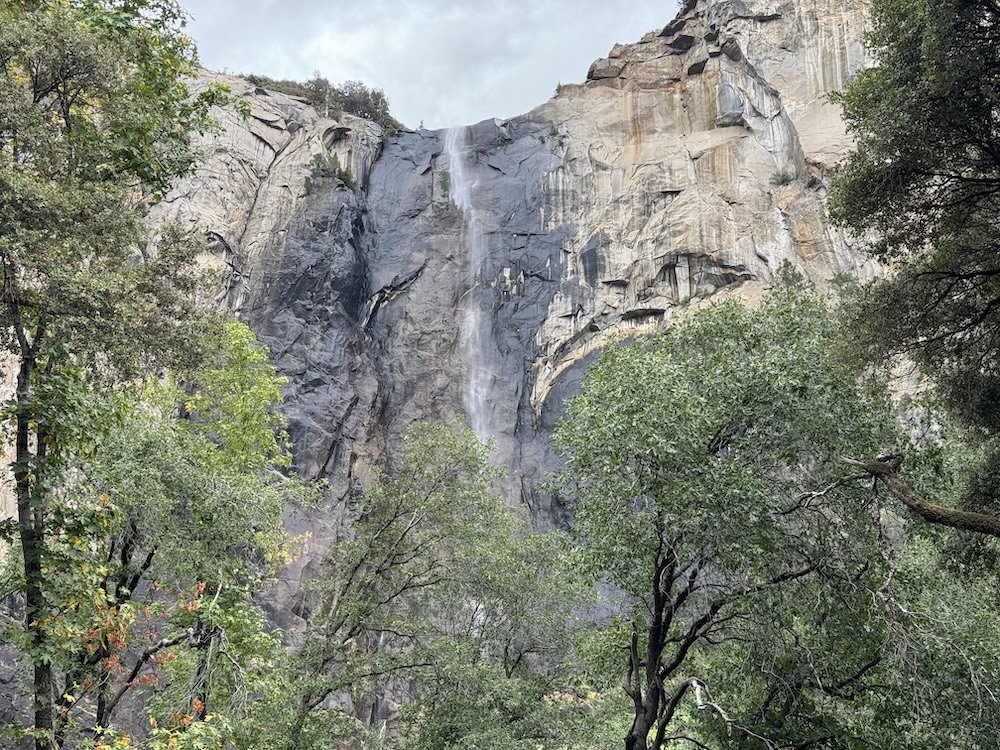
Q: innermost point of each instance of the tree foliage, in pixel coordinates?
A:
(95, 120)
(706, 476)
(923, 185)
(156, 531)
(353, 97)
(94, 89)
(925, 172)
(439, 588)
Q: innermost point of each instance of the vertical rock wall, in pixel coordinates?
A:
(688, 165)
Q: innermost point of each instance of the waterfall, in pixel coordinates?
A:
(475, 324)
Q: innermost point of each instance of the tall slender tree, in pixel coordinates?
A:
(95, 119)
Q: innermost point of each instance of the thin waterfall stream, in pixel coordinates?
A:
(474, 327)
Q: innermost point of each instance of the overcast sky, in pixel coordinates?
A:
(440, 62)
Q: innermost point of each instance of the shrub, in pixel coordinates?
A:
(353, 97)
(327, 166)
(781, 178)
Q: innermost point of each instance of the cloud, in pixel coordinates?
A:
(440, 62)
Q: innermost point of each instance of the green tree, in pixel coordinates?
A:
(438, 583)
(157, 532)
(94, 121)
(501, 669)
(353, 97)
(323, 95)
(706, 477)
(924, 186)
(361, 100)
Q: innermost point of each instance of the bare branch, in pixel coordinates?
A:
(705, 703)
(885, 470)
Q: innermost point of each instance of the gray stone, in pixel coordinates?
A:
(475, 276)
(604, 68)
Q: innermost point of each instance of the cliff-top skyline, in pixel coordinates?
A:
(440, 63)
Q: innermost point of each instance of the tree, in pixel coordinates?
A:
(438, 585)
(353, 97)
(705, 471)
(93, 113)
(358, 99)
(923, 185)
(158, 531)
(501, 669)
(323, 95)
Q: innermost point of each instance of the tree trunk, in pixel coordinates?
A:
(636, 737)
(31, 528)
(886, 468)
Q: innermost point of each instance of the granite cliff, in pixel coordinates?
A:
(474, 271)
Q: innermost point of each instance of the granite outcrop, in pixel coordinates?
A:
(471, 274)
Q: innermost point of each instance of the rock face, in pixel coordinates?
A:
(474, 271)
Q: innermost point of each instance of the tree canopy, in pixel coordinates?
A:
(707, 480)
(924, 185)
(353, 97)
(156, 531)
(440, 585)
(95, 121)
(922, 191)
